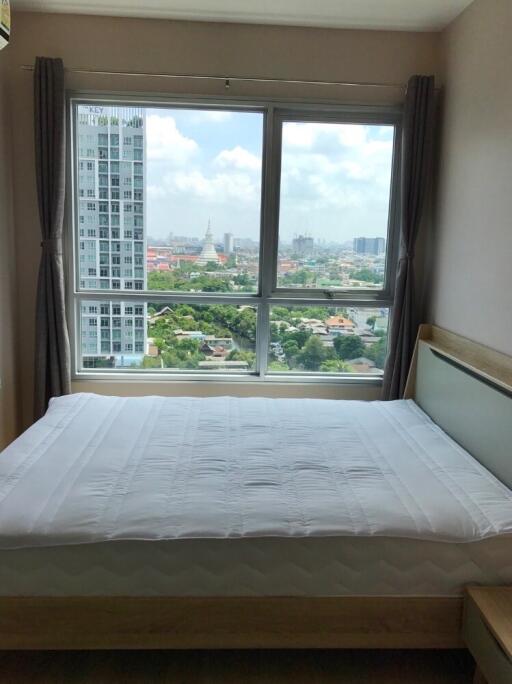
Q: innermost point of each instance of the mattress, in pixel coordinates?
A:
(99, 468)
(229, 496)
(308, 566)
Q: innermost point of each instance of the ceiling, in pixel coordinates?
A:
(403, 15)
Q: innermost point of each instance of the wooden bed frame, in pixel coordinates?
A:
(290, 622)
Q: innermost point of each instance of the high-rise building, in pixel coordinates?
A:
(112, 231)
(303, 245)
(365, 245)
(229, 243)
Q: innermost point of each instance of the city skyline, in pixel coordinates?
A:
(218, 239)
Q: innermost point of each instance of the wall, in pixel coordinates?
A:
(181, 47)
(473, 241)
(8, 364)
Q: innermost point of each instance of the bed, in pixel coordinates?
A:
(158, 522)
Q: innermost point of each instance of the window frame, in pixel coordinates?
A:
(275, 113)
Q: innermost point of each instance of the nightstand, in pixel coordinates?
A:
(487, 631)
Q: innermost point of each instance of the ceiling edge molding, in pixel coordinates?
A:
(89, 9)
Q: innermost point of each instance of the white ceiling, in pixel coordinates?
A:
(404, 15)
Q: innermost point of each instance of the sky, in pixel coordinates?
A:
(206, 165)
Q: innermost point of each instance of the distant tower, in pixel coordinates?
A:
(365, 245)
(229, 243)
(208, 253)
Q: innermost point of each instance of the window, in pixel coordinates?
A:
(218, 263)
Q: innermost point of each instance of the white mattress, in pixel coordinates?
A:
(293, 566)
(99, 469)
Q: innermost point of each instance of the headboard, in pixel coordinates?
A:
(467, 390)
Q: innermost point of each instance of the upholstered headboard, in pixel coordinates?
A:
(467, 390)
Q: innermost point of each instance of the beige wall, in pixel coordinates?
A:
(8, 363)
(473, 252)
(162, 46)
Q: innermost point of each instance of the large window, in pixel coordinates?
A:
(242, 241)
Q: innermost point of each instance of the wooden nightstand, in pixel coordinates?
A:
(487, 631)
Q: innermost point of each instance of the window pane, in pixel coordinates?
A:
(126, 336)
(204, 195)
(179, 188)
(334, 205)
(328, 339)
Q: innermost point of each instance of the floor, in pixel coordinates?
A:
(237, 667)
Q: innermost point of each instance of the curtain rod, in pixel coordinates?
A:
(230, 79)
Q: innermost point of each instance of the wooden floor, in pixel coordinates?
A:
(237, 667)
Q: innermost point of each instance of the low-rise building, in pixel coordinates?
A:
(338, 325)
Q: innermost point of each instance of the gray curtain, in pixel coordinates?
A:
(417, 148)
(52, 357)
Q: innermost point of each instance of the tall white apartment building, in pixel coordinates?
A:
(229, 243)
(111, 159)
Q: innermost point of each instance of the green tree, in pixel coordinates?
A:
(301, 277)
(377, 352)
(312, 354)
(281, 313)
(335, 366)
(151, 362)
(242, 355)
(159, 343)
(290, 348)
(299, 336)
(367, 275)
(242, 280)
(278, 366)
(348, 346)
(213, 266)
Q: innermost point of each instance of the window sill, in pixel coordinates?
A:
(184, 379)
(362, 389)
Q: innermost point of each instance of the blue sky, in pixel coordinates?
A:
(207, 165)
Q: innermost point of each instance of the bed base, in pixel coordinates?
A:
(69, 623)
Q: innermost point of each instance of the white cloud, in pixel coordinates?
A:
(300, 134)
(165, 142)
(352, 135)
(220, 188)
(239, 158)
(156, 192)
(308, 135)
(210, 116)
(334, 174)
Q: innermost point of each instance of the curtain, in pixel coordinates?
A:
(52, 356)
(417, 148)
